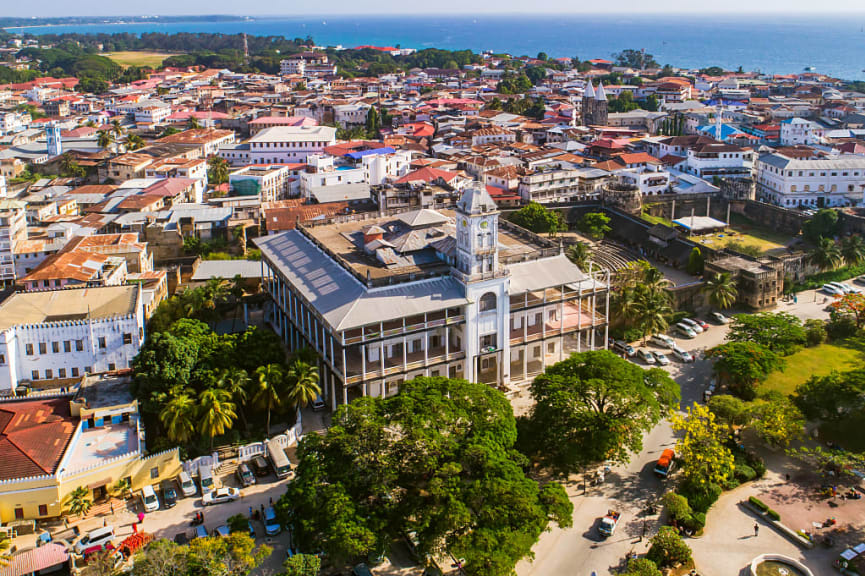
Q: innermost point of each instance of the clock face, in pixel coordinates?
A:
(484, 224)
(465, 222)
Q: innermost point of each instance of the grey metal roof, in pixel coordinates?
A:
(227, 269)
(545, 272)
(340, 192)
(339, 298)
(837, 163)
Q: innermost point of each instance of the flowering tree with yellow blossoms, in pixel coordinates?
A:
(705, 458)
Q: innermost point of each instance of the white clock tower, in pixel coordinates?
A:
(487, 337)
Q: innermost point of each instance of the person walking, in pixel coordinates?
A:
(756, 529)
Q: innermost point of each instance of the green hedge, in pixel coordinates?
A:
(757, 503)
(839, 275)
(773, 515)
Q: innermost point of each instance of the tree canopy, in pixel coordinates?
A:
(780, 332)
(594, 406)
(436, 460)
(742, 365)
(596, 225)
(537, 218)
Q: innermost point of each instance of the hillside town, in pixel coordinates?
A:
(524, 315)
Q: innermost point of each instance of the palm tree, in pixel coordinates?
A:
(579, 255)
(826, 255)
(178, 417)
(217, 412)
(722, 291)
(105, 139)
(268, 388)
(236, 381)
(653, 309)
(134, 142)
(79, 503)
(116, 128)
(853, 250)
(624, 302)
(215, 292)
(192, 123)
(654, 280)
(303, 386)
(237, 289)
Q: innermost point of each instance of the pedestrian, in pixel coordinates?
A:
(270, 500)
(250, 511)
(643, 532)
(756, 529)
(140, 517)
(104, 522)
(262, 510)
(112, 506)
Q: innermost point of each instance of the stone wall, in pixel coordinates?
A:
(770, 216)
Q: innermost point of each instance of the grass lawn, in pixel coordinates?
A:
(150, 59)
(817, 361)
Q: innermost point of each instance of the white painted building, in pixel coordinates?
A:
(350, 115)
(795, 131)
(789, 182)
(154, 115)
(280, 144)
(270, 182)
(13, 230)
(651, 181)
(68, 333)
(718, 159)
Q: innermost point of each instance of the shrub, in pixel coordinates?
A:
(668, 549)
(677, 505)
(815, 332)
(694, 522)
(701, 497)
(840, 326)
(757, 503)
(773, 515)
(632, 334)
(756, 464)
(745, 473)
(642, 567)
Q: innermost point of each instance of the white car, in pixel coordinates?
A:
(685, 331)
(720, 318)
(646, 356)
(662, 340)
(847, 288)
(832, 290)
(661, 358)
(220, 495)
(692, 325)
(682, 355)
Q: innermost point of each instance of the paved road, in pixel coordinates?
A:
(728, 544)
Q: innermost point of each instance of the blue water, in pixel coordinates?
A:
(770, 43)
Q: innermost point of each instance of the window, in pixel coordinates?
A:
(102, 343)
(551, 348)
(49, 374)
(43, 348)
(88, 369)
(79, 345)
(55, 347)
(67, 345)
(488, 302)
(127, 338)
(2, 359)
(75, 372)
(154, 473)
(61, 373)
(19, 513)
(35, 375)
(43, 510)
(112, 367)
(488, 341)
(28, 349)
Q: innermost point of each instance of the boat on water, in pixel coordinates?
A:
(810, 69)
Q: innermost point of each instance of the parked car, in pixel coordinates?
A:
(200, 531)
(661, 358)
(623, 347)
(169, 493)
(662, 340)
(220, 495)
(701, 323)
(682, 355)
(187, 486)
(832, 290)
(244, 474)
(719, 318)
(685, 331)
(220, 531)
(271, 523)
(646, 356)
(693, 325)
(98, 537)
(149, 499)
(846, 288)
(318, 404)
(260, 466)
(860, 280)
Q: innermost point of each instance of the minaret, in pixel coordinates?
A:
(55, 144)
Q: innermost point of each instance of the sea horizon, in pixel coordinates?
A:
(769, 43)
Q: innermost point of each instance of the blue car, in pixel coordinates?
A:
(271, 524)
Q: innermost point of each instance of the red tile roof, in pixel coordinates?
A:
(33, 437)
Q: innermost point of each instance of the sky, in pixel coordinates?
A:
(440, 7)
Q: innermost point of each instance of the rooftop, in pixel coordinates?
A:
(33, 436)
(68, 305)
(95, 445)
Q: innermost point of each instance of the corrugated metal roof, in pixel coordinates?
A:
(545, 272)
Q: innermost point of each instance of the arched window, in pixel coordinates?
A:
(488, 302)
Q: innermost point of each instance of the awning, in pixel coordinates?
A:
(35, 560)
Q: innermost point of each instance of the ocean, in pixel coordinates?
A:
(778, 44)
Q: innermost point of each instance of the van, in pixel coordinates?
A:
(685, 331)
(205, 478)
(271, 524)
(692, 325)
(665, 463)
(187, 486)
(98, 537)
(149, 499)
(622, 347)
(663, 341)
(278, 459)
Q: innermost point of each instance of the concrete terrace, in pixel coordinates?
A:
(97, 445)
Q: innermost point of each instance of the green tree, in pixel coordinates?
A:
(594, 224)
(302, 565)
(217, 170)
(78, 503)
(232, 555)
(591, 407)
(837, 461)
(780, 332)
(642, 567)
(236, 381)
(695, 262)
(853, 250)
(730, 410)
(134, 142)
(437, 460)
(653, 308)
(824, 224)
(216, 412)
(104, 139)
(161, 558)
(579, 254)
(537, 218)
(193, 123)
(743, 365)
(826, 255)
(722, 291)
(301, 384)
(701, 447)
(777, 420)
(832, 397)
(372, 123)
(268, 391)
(178, 417)
(168, 131)
(668, 550)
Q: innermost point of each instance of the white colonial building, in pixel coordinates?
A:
(280, 144)
(790, 182)
(796, 131)
(59, 334)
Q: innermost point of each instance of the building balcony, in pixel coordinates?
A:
(396, 364)
(574, 319)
